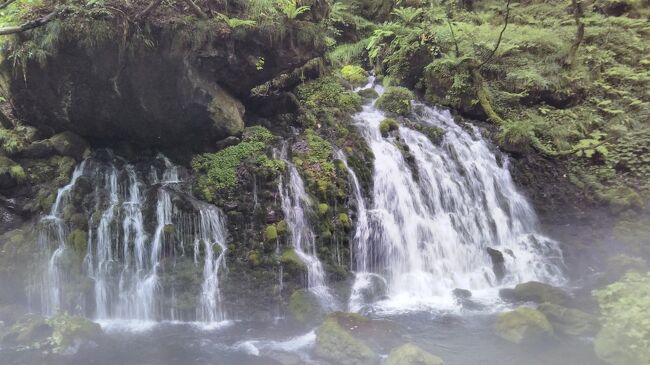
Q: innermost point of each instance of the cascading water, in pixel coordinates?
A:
(428, 233)
(127, 261)
(296, 207)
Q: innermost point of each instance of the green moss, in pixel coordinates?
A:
(271, 233)
(523, 325)
(14, 170)
(388, 125)
(396, 99)
(317, 163)
(304, 306)
(327, 92)
(344, 220)
(369, 93)
(356, 75)
(218, 171)
(69, 329)
(334, 342)
(410, 354)
(290, 260)
(569, 321)
(323, 208)
(79, 240)
(625, 318)
(281, 227)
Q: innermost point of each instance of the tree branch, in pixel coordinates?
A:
(496, 46)
(580, 32)
(6, 3)
(30, 24)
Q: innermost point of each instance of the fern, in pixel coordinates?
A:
(236, 22)
(408, 15)
(291, 9)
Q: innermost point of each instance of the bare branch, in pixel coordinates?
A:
(196, 9)
(30, 24)
(496, 46)
(580, 32)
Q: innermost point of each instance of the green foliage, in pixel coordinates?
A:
(396, 99)
(354, 74)
(625, 317)
(291, 8)
(236, 22)
(218, 171)
(388, 125)
(349, 52)
(408, 15)
(591, 146)
(323, 208)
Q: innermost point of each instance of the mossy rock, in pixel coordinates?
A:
(344, 219)
(291, 261)
(355, 75)
(625, 319)
(69, 144)
(523, 325)
(336, 343)
(304, 306)
(11, 173)
(388, 125)
(271, 233)
(569, 321)
(281, 227)
(69, 331)
(534, 291)
(28, 331)
(396, 99)
(368, 94)
(410, 354)
(79, 240)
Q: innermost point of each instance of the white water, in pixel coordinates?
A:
(296, 206)
(124, 262)
(423, 237)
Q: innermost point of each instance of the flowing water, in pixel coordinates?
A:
(296, 206)
(431, 222)
(124, 255)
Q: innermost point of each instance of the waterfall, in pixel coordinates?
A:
(132, 252)
(428, 232)
(296, 206)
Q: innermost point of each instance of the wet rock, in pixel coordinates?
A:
(464, 299)
(227, 142)
(569, 321)
(28, 331)
(462, 293)
(498, 263)
(410, 354)
(368, 94)
(336, 342)
(65, 144)
(534, 291)
(523, 325)
(304, 306)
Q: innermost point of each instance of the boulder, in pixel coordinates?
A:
(103, 93)
(523, 325)
(65, 144)
(569, 321)
(336, 342)
(396, 100)
(534, 291)
(410, 354)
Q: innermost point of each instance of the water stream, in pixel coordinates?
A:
(431, 222)
(125, 252)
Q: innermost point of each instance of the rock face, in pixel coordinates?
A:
(498, 263)
(534, 291)
(569, 321)
(336, 343)
(523, 325)
(410, 354)
(159, 95)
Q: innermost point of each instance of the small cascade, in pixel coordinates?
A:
(143, 229)
(296, 206)
(428, 232)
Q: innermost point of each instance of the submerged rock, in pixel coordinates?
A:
(569, 321)
(534, 291)
(410, 354)
(336, 342)
(523, 325)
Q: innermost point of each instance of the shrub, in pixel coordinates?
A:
(388, 125)
(356, 75)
